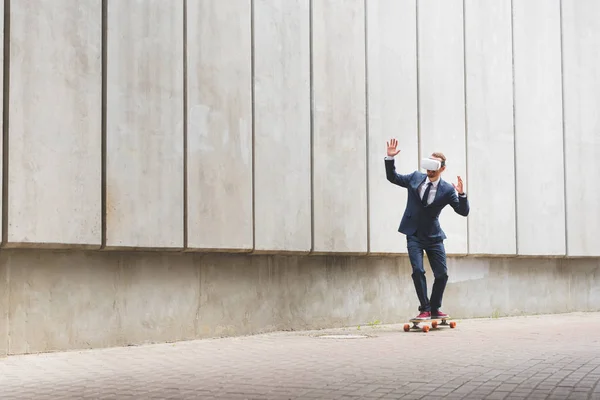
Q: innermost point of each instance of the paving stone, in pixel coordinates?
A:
(504, 358)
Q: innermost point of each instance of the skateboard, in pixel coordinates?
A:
(435, 322)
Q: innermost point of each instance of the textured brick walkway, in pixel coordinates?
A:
(556, 357)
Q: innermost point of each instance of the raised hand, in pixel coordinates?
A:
(459, 187)
(391, 148)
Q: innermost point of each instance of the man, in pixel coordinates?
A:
(428, 194)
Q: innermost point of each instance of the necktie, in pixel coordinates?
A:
(426, 195)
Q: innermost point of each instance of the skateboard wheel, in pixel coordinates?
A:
(425, 328)
(434, 324)
(452, 324)
(406, 327)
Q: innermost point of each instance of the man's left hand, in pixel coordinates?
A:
(459, 186)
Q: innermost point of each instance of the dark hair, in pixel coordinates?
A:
(441, 156)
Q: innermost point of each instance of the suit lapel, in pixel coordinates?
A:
(419, 183)
(437, 192)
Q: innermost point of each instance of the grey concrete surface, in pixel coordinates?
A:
(282, 125)
(442, 101)
(490, 139)
(64, 300)
(54, 150)
(542, 357)
(392, 86)
(339, 127)
(4, 296)
(2, 94)
(581, 39)
(144, 123)
(219, 90)
(53, 160)
(538, 108)
(71, 301)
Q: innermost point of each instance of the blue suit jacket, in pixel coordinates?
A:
(417, 218)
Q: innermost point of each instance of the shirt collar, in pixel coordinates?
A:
(435, 183)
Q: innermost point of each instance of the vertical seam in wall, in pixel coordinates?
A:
(564, 149)
(366, 35)
(418, 66)
(464, 23)
(5, 109)
(252, 73)
(103, 151)
(5, 121)
(185, 129)
(512, 45)
(312, 128)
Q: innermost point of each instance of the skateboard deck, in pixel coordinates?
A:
(435, 323)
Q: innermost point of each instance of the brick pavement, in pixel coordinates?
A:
(554, 357)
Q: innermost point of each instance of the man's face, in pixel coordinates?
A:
(433, 175)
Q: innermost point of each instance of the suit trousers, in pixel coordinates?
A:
(436, 253)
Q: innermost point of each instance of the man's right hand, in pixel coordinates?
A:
(391, 148)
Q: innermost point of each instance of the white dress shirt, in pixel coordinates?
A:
(432, 191)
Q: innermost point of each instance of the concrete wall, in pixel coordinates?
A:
(144, 124)
(392, 111)
(581, 86)
(339, 127)
(490, 126)
(74, 299)
(282, 126)
(54, 113)
(259, 126)
(539, 128)
(219, 136)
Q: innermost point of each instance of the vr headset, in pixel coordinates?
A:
(431, 164)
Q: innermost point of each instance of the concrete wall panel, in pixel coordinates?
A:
(581, 58)
(490, 139)
(2, 172)
(4, 303)
(538, 128)
(74, 300)
(502, 286)
(87, 300)
(282, 125)
(151, 312)
(442, 101)
(61, 300)
(144, 188)
(392, 104)
(54, 182)
(219, 90)
(339, 130)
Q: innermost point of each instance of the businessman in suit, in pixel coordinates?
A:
(428, 194)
